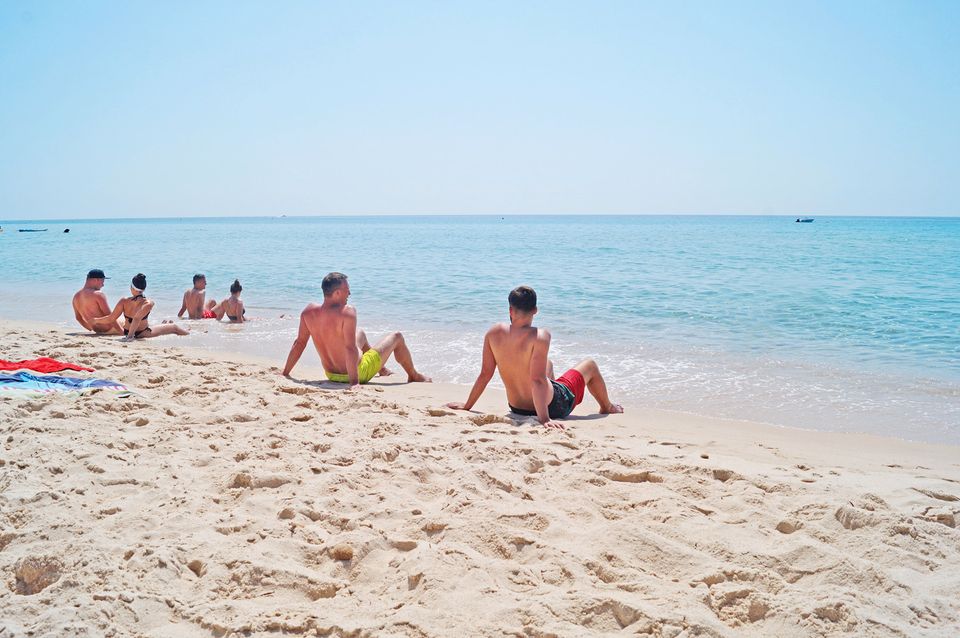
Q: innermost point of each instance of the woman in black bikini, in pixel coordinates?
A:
(135, 309)
(232, 307)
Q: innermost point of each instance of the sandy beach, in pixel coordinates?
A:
(222, 499)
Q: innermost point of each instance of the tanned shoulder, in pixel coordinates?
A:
(543, 336)
(497, 327)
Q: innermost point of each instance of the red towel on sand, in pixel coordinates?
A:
(43, 364)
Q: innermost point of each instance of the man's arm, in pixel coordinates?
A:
(183, 306)
(103, 308)
(76, 311)
(102, 304)
(538, 379)
(487, 367)
(350, 343)
(111, 316)
(296, 350)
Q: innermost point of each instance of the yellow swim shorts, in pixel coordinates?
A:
(368, 368)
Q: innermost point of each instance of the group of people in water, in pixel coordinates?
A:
(518, 349)
(93, 312)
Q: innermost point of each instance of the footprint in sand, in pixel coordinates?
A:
(788, 526)
(725, 475)
(243, 480)
(33, 574)
(940, 496)
(630, 476)
(198, 567)
(487, 419)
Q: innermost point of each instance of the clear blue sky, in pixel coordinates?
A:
(240, 108)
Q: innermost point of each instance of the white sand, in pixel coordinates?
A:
(225, 500)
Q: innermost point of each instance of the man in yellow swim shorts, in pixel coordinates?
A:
(345, 353)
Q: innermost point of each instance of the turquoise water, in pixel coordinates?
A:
(846, 324)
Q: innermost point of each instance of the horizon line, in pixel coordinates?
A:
(16, 220)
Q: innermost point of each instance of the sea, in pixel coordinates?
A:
(845, 324)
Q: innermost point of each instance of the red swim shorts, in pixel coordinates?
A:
(575, 381)
(209, 314)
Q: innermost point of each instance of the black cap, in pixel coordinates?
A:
(96, 273)
(140, 281)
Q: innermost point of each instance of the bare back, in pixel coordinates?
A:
(193, 302)
(231, 308)
(88, 305)
(328, 326)
(514, 349)
(130, 308)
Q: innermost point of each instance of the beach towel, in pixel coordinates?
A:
(26, 383)
(43, 364)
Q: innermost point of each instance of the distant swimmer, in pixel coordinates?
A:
(194, 300)
(344, 351)
(90, 305)
(232, 307)
(520, 351)
(135, 309)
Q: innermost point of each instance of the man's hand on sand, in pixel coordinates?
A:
(554, 425)
(457, 406)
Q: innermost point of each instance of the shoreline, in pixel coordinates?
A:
(672, 373)
(688, 421)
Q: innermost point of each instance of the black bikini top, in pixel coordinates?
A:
(128, 317)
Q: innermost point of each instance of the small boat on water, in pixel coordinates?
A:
(804, 220)
(32, 230)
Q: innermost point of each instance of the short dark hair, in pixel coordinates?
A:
(197, 277)
(523, 298)
(235, 287)
(331, 282)
(140, 281)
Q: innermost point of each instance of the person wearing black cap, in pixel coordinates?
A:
(90, 304)
(135, 309)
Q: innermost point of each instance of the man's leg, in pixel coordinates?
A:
(394, 344)
(364, 345)
(550, 374)
(591, 375)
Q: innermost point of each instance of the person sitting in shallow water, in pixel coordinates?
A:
(135, 309)
(232, 307)
(194, 300)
